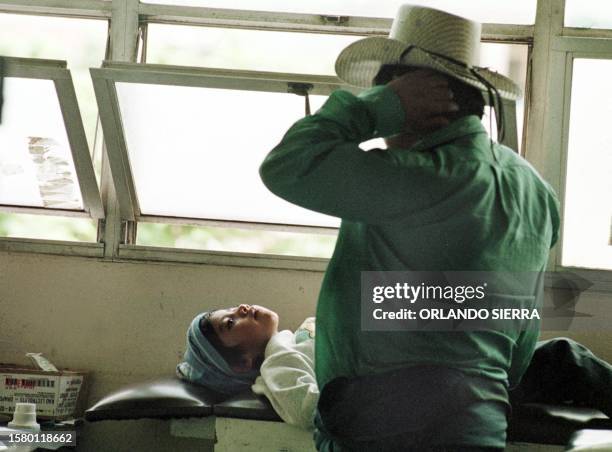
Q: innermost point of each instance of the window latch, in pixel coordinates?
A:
(335, 19)
(301, 89)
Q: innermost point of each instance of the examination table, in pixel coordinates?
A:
(248, 422)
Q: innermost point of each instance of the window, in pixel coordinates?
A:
(510, 60)
(193, 150)
(44, 158)
(181, 142)
(189, 145)
(176, 192)
(82, 43)
(588, 189)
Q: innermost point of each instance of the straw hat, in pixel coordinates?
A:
(429, 38)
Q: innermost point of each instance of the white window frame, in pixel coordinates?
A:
(84, 9)
(56, 72)
(105, 79)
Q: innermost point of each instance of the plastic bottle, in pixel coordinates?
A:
(24, 421)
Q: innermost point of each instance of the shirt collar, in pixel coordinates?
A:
(468, 125)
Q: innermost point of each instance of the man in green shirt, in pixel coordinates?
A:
(441, 197)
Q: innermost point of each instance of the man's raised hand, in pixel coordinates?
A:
(426, 99)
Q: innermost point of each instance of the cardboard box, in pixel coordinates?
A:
(57, 395)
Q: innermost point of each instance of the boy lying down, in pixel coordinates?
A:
(234, 349)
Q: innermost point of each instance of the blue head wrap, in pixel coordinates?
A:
(204, 365)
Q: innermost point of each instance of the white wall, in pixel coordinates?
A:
(126, 322)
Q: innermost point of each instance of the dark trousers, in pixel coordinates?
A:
(426, 408)
(413, 409)
(405, 442)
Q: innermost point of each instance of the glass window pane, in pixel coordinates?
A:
(195, 152)
(226, 48)
(511, 61)
(588, 191)
(236, 240)
(36, 167)
(500, 11)
(80, 42)
(47, 227)
(590, 14)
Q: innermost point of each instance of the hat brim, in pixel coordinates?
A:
(359, 63)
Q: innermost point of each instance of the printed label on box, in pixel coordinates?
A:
(55, 396)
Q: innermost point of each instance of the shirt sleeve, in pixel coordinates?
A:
(319, 165)
(288, 380)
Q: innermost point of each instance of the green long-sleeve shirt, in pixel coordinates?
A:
(451, 202)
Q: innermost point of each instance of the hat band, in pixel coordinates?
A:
(431, 52)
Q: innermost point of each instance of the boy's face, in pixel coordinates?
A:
(249, 327)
